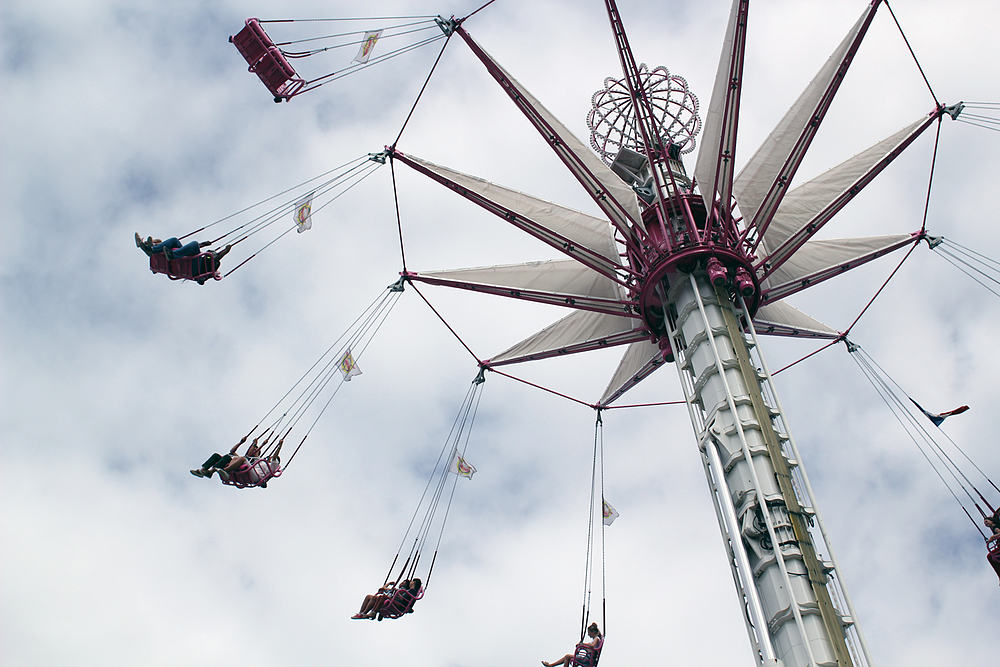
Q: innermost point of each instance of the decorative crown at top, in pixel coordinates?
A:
(612, 119)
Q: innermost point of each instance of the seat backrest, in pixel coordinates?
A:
(253, 473)
(267, 61)
(400, 603)
(200, 267)
(252, 42)
(586, 655)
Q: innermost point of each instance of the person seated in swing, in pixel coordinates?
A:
(402, 601)
(227, 464)
(586, 653)
(219, 461)
(373, 602)
(172, 247)
(204, 264)
(993, 523)
(253, 469)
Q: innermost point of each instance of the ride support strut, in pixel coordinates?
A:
(792, 618)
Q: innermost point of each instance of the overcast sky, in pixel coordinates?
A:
(138, 116)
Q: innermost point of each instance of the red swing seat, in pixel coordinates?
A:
(586, 655)
(199, 268)
(267, 61)
(993, 557)
(255, 473)
(400, 603)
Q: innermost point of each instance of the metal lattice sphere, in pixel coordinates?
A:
(612, 118)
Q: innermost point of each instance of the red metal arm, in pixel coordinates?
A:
(614, 209)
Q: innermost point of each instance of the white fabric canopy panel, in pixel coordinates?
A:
(805, 203)
(780, 319)
(589, 169)
(822, 259)
(556, 276)
(717, 124)
(638, 362)
(579, 331)
(792, 135)
(583, 230)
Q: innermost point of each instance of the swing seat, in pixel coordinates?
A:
(251, 474)
(400, 603)
(993, 557)
(267, 61)
(586, 655)
(199, 268)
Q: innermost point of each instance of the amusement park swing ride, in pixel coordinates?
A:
(688, 265)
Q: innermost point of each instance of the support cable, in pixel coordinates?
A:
(352, 18)
(455, 444)
(898, 407)
(356, 162)
(604, 576)
(882, 374)
(357, 67)
(429, 21)
(359, 334)
(399, 220)
(447, 39)
(445, 322)
(843, 336)
(478, 10)
(930, 180)
(538, 386)
(589, 561)
(969, 262)
(968, 270)
(872, 300)
(917, 62)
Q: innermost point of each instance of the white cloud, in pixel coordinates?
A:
(123, 117)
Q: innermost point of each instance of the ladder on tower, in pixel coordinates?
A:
(780, 524)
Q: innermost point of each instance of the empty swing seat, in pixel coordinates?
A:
(586, 655)
(199, 268)
(267, 61)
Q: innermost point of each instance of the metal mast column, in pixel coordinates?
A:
(771, 549)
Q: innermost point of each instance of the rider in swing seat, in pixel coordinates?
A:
(993, 523)
(585, 654)
(200, 267)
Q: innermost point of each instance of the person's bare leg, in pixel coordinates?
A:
(376, 604)
(565, 660)
(235, 464)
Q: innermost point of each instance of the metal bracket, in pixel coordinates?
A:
(447, 25)
(954, 110)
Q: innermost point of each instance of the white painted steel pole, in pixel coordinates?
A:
(809, 492)
(768, 557)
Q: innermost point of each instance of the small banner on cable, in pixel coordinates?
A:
(610, 514)
(936, 419)
(461, 467)
(348, 366)
(303, 213)
(365, 52)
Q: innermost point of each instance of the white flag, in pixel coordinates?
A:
(610, 514)
(371, 36)
(348, 366)
(303, 213)
(461, 467)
